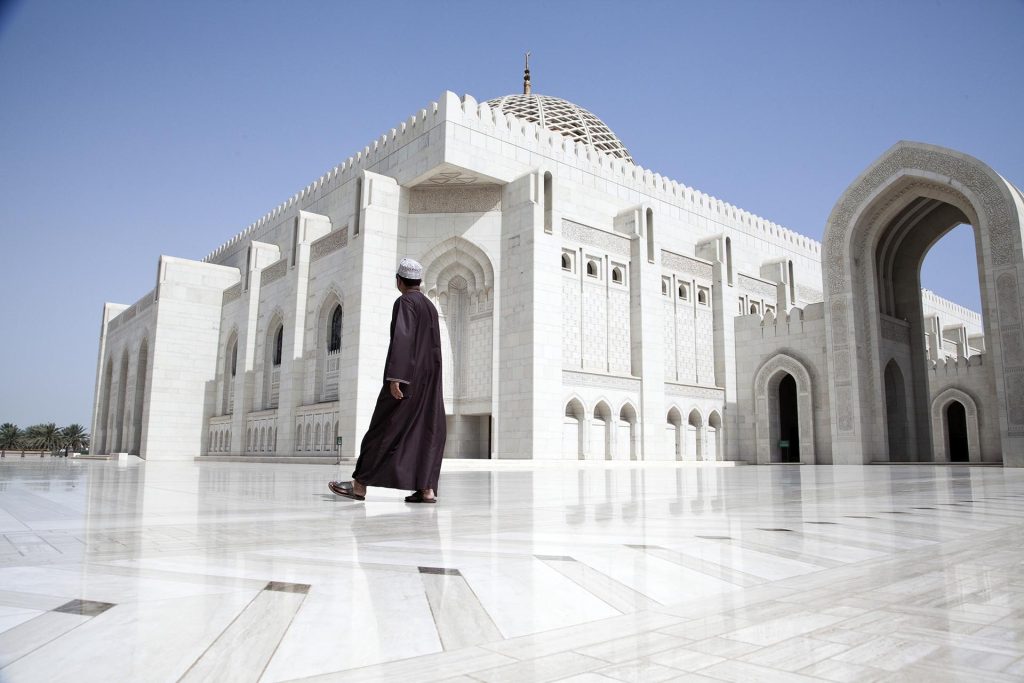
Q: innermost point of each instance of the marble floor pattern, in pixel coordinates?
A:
(655, 572)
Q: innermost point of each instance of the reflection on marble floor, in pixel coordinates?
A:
(254, 572)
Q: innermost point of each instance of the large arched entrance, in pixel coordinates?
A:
(876, 239)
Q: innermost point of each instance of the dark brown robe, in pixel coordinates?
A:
(403, 446)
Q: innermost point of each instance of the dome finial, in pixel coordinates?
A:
(526, 76)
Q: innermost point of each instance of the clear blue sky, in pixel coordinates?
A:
(132, 129)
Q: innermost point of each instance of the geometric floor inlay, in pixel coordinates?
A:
(185, 571)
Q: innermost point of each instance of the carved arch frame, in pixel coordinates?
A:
(853, 333)
(766, 406)
(939, 427)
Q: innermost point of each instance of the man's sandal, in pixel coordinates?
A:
(344, 489)
(418, 498)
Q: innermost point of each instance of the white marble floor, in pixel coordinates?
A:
(255, 572)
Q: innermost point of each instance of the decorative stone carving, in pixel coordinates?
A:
(685, 264)
(613, 244)
(840, 324)
(895, 330)
(464, 199)
(1008, 300)
(574, 378)
(765, 290)
(1015, 399)
(692, 391)
(231, 294)
(331, 242)
(275, 271)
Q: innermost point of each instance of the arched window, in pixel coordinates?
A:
(792, 286)
(702, 297)
(650, 235)
(753, 309)
(547, 202)
(664, 286)
(234, 359)
(728, 259)
(684, 292)
(278, 343)
(316, 440)
(617, 275)
(566, 262)
(335, 342)
(591, 268)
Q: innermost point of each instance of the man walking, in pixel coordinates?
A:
(403, 446)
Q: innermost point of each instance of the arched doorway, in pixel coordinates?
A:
(784, 411)
(122, 399)
(956, 432)
(896, 413)
(140, 396)
(789, 420)
(103, 423)
(875, 242)
(694, 449)
(674, 433)
(625, 437)
(600, 432)
(572, 431)
(714, 434)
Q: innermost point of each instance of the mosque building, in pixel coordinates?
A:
(590, 309)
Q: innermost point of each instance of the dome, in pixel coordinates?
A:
(563, 117)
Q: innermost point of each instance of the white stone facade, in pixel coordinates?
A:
(589, 309)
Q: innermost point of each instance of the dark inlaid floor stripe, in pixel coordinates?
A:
(440, 570)
(86, 608)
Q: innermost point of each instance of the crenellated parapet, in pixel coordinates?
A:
(952, 366)
(469, 113)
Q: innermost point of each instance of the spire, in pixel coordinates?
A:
(526, 76)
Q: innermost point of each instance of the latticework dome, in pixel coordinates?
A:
(563, 117)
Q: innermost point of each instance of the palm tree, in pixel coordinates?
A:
(44, 436)
(74, 438)
(10, 437)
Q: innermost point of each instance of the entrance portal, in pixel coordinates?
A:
(789, 421)
(956, 432)
(877, 237)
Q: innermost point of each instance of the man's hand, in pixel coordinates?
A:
(396, 390)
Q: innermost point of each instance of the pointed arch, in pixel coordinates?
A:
(329, 343)
(122, 399)
(766, 407)
(876, 237)
(140, 403)
(626, 432)
(694, 449)
(600, 432)
(273, 359)
(674, 432)
(940, 424)
(457, 249)
(103, 424)
(229, 371)
(714, 436)
(573, 429)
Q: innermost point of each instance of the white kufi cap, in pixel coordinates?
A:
(410, 270)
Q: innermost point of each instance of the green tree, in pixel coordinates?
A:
(74, 438)
(11, 437)
(46, 436)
